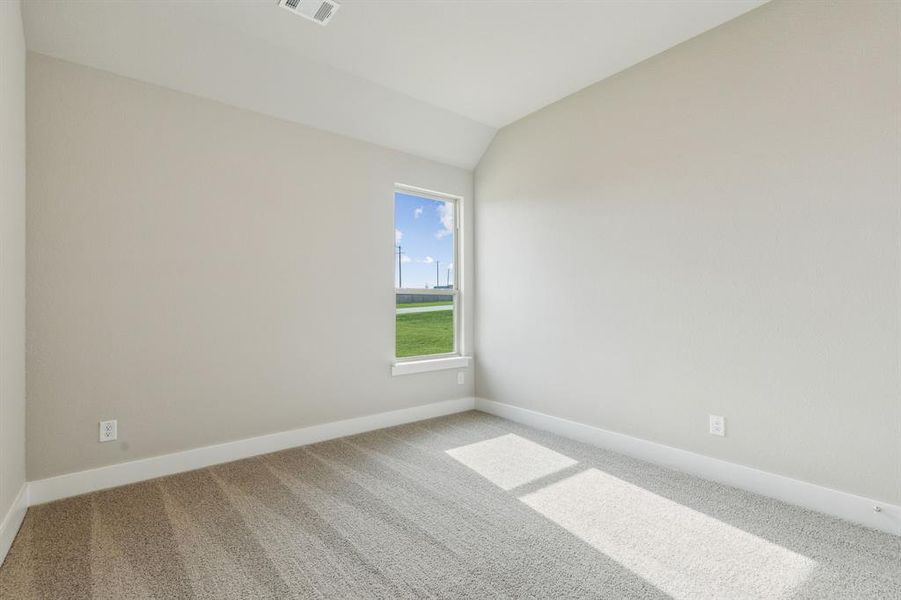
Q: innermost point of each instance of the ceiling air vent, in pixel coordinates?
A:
(319, 11)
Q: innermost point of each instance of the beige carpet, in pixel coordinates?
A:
(467, 506)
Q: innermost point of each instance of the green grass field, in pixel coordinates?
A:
(415, 304)
(419, 334)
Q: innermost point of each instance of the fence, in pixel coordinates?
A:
(413, 298)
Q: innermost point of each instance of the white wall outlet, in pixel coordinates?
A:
(717, 425)
(108, 431)
(461, 377)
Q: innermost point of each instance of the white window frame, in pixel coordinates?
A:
(448, 360)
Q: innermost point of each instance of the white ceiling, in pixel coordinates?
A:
(434, 78)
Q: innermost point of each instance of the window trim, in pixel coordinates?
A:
(447, 360)
(440, 362)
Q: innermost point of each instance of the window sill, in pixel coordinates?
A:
(430, 364)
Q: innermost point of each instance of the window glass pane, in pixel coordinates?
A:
(423, 242)
(424, 253)
(424, 325)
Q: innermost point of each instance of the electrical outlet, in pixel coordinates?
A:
(717, 425)
(461, 377)
(108, 431)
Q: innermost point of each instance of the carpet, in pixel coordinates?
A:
(464, 506)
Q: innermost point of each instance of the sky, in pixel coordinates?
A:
(424, 229)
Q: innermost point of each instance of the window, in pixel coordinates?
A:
(427, 296)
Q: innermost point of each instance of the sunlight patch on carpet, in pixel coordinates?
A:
(510, 461)
(684, 553)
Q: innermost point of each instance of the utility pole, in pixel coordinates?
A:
(437, 274)
(448, 277)
(400, 272)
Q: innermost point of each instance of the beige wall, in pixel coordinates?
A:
(203, 273)
(715, 230)
(12, 254)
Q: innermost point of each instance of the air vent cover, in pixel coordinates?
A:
(318, 11)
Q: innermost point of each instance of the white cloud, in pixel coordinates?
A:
(446, 214)
(450, 266)
(417, 212)
(405, 259)
(427, 260)
(398, 235)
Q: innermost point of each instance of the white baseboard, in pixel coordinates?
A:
(12, 521)
(793, 491)
(808, 495)
(82, 482)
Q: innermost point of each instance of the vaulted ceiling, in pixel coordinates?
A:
(435, 78)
